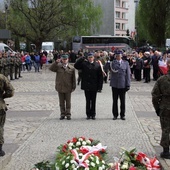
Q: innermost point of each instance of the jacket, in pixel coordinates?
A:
(65, 81)
(161, 93)
(92, 76)
(6, 90)
(120, 74)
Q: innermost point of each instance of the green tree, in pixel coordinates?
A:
(153, 18)
(42, 20)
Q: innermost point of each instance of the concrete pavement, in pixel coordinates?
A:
(33, 129)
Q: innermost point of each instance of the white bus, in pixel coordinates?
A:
(102, 42)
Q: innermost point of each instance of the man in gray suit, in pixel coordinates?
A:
(120, 83)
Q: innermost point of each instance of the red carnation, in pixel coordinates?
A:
(74, 140)
(132, 168)
(91, 139)
(83, 138)
(84, 151)
(68, 141)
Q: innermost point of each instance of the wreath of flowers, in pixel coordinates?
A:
(80, 153)
(132, 160)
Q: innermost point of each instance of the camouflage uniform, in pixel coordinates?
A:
(1, 65)
(6, 90)
(6, 65)
(17, 64)
(161, 103)
(20, 64)
(12, 67)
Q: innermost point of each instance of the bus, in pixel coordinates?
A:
(102, 42)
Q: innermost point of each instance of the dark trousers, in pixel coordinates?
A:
(65, 103)
(165, 126)
(155, 73)
(90, 103)
(147, 74)
(118, 93)
(11, 72)
(138, 74)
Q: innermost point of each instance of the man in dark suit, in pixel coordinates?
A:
(120, 83)
(92, 80)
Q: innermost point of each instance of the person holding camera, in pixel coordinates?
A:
(120, 83)
(65, 84)
(161, 102)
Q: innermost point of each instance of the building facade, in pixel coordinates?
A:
(107, 26)
(118, 17)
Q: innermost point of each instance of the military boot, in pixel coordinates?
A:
(165, 154)
(2, 153)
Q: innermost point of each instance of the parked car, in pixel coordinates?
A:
(5, 48)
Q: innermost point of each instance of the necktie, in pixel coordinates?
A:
(64, 66)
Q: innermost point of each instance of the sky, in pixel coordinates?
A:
(1, 4)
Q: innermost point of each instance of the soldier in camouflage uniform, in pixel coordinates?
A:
(6, 64)
(6, 90)
(161, 103)
(1, 64)
(12, 66)
(17, 64)
(20, 64)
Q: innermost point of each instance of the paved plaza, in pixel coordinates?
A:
(33, 129)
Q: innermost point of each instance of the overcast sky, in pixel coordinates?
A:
(1, 4)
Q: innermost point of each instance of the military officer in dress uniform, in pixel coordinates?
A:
(92, 80)
(120, 83)
(6, 90)
(65, 84)
(161, 103)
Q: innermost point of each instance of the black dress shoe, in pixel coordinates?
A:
(62, 117)
(165, 155)
(68, 117)
(123, 118)
(88, 117)
(93, 118)
(114, 118)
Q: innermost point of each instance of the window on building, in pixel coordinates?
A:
(117, 14)
(124, 4)
(123, 26)
(118, 26)
(117, 3)
(123, 15)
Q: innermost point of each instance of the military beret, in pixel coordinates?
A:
(64, 57)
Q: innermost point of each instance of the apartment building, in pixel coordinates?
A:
(124, 17)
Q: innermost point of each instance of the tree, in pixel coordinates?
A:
(42, 20)
(153, 17)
